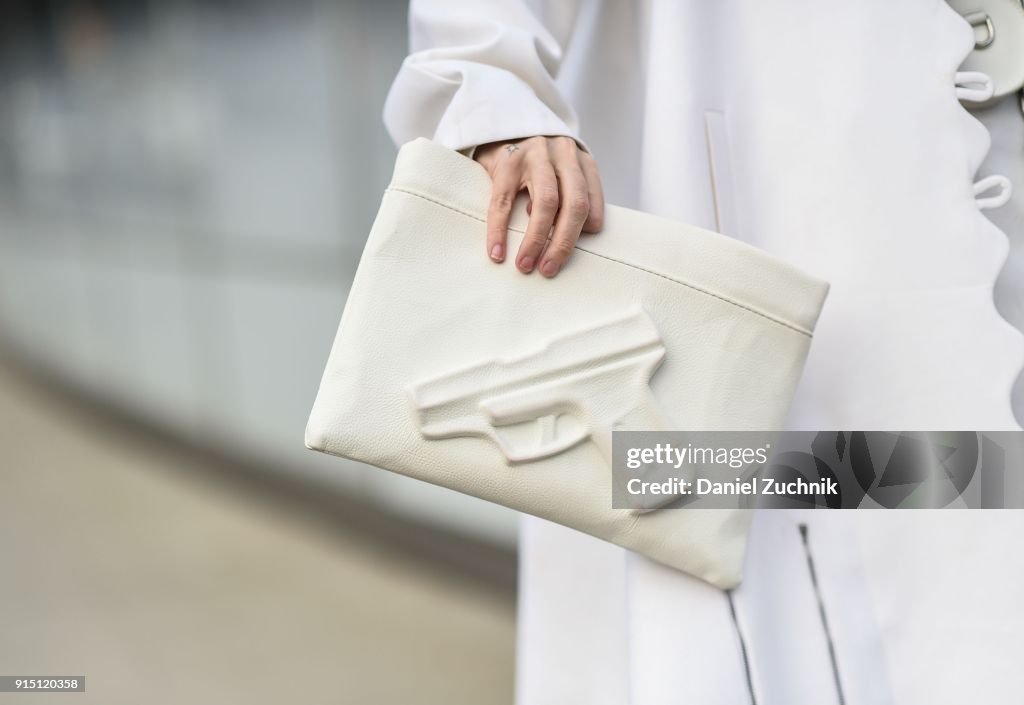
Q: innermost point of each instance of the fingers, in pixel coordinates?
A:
(543, 188)
(566, 198)
(573, 207)
(505, 186)
(595, 218)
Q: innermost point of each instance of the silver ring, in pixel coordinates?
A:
(511, 148)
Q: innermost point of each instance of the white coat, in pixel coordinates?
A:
(828, 133)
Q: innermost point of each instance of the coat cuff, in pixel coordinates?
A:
(486, 105)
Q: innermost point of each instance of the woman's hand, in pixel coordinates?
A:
(565, 198)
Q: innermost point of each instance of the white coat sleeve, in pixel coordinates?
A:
(479, 71)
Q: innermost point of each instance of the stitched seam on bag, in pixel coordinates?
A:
(725, 299)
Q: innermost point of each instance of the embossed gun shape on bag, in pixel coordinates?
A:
(579, 385)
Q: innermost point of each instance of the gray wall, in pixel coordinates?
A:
(185, 189)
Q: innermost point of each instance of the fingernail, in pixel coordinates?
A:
(550, 268)
(526, 264)
(497, 252)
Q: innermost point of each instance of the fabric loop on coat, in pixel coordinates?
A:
(974, 86)
(988, 184)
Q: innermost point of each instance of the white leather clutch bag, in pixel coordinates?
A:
(464, 373)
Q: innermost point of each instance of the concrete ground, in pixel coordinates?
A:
(119, 563)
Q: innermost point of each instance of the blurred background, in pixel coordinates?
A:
(185, 189)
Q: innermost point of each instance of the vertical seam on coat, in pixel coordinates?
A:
(821, 614)
(743, 648)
